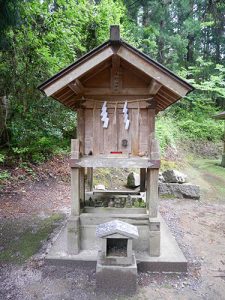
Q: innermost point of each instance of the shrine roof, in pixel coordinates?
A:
(91, 77)
(117, 227)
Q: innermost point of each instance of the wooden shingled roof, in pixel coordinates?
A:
(116, 71)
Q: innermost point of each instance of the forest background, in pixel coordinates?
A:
(40, 37)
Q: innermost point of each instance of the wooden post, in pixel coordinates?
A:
(152, 199)
(152, 192)
(90, 178)
(75, 180)
(152, 181)
(142, 179)
(73, 225)
(82, 187)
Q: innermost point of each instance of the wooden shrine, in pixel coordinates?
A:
(116, 91)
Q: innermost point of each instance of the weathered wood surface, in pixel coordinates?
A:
(152, 192)
(75, 179)
(90, 178)
(99, 140)
(78, 71)
(142, 179)
(114, 162)
(151, 70)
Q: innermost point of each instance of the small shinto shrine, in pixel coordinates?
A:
(116, 268)
(116, 91)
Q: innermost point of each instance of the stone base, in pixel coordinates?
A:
(177, 190)
(116, 279)
(171, 258)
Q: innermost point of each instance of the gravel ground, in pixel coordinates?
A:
(197, 226)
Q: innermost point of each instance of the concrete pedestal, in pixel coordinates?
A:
(118, 279)
(171, 258)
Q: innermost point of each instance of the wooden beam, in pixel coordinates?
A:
(154, 87)
(75, 179)
(115, 33)
(116, 80)
(142, 179)
(77, 87)
(153, 71)
(118, 97)
(78, 71)
(96, 71)
(124, 91)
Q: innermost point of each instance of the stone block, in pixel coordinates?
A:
(133, 180)
(73, 235)
(121, 280)
(174, 176)
(176, 190)
(154, 243)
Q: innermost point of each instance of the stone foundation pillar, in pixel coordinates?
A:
(73, 235)
(154, 237)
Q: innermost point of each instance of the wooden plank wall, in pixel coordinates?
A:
(98, 140)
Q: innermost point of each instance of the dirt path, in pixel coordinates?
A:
(197, 225)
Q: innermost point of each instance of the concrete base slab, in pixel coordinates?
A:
(170, 260)
(117, 279)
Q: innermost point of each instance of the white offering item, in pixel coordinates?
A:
(127, 124)
(106, 123)
(104, 116)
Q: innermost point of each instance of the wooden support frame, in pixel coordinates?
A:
(142, 179)
(75, 179)
(152, 192)
(154, 87)
(77, 87)
(78, 71)
(90, 179)
(161, 76)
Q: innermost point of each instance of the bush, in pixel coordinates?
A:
(166, 132)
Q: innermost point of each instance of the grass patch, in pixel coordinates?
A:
(212, 172)
(167, 196)
(211, 166)
(29, 240)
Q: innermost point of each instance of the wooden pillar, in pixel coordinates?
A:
(152, 199)
(82, 187)
(75, 180)
(73, 224)
(90, 178)
(152, 180)
(142, 179)
(152, 192)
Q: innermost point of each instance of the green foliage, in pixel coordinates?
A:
(49, 36)
(167, 132)
(4, 175)
(2, 158)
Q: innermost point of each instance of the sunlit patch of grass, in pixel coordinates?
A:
(212, 172)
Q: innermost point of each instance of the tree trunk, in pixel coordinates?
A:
(3, 118)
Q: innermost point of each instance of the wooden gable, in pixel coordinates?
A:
(115, 71)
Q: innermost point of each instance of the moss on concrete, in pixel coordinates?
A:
(28, 241)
